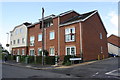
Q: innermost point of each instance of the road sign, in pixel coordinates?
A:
(73, 59)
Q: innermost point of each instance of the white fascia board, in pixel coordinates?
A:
(78, 20)
(70, 23)
(89, 16)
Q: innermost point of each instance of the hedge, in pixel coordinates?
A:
(50, 60)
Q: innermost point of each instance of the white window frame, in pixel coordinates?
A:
(52, 37)
(70, 49)
(67, 34)
(22, 51)
(40, 39)
(18, 52)
(100, 35)
(30, 53)
(39, 49)
(18, 41)
(53, 51)
(23, 40)
(32, 41)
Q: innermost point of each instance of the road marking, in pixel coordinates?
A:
(112, 72)
(95, 74)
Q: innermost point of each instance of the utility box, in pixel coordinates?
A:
(18, 59)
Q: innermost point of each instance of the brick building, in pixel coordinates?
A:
(70, 33)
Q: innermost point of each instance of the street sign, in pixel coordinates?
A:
(73, 59)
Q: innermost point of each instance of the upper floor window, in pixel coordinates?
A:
(70, 50)
(23, 40)
(32, 39)
(69, 34)
(13, 41)
(52, 52)
(40, 37)
(52, 35)
(21, 30)
(101, 49)
(100, 35)
(16, 32)
(18, 41)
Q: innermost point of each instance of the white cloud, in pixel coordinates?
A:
(113, 18)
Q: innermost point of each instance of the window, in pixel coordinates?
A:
(39, 52)
(70, 50)
(52, 35)
(32, 41)
(14, 41)
(18, 52)
(11, 42)
(18, 41)
(40, 37)
(101, 49)
(100, 35)
(23, 52)
(32, 52)
(16, 32)
(23, 40)
(69, 34)
(21, 30)
(52, 52)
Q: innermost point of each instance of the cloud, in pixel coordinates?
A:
(113, 18)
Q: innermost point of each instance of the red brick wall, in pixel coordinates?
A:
(34, 31)
(92, 43)
(76, 43)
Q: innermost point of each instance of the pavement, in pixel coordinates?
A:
(42, 67)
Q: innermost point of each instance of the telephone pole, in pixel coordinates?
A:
(42, 36)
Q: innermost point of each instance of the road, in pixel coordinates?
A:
(107, 68)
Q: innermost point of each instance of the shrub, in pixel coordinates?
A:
(50, 60)
(67, 60)
(22, 58)
(30, 59)
(39, 59)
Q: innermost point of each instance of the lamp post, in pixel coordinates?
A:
(7, 45)
(42, 36)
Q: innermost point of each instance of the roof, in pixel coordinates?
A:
(81, 17)
(25, 23)
(115, 40)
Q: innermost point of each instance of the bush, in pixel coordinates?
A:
(30, 59)
(22, 59)
(50, 60)
(39, 59)
(67, 60)
(67, 63)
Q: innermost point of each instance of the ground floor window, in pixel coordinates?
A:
(23, 52)
(39, 52)
(52, 52)
(71, 50)
(18, 52)
(32, 52)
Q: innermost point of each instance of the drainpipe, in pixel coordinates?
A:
(81, 53)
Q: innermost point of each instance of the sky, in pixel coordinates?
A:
(16, 13)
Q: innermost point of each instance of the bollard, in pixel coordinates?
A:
(98, 57)
(103, 56)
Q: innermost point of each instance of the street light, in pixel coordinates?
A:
(42, 36)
